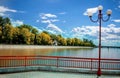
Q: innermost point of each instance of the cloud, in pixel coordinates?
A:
(50, 19)
(111, 25)
(21, 11)
(48, 15)
(92, 10)
(109, 33)
(54, 20)
(46, 21)
(62, 13)
(47, 18)
(116, 20)
(2, 14)
(54, 28)
(86, 30)
(5, 9)
(17, 23)
(119, 6)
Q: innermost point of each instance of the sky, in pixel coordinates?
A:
(66, 17)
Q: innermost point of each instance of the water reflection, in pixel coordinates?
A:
(75, 52)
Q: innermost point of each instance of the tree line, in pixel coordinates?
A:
(26, 34)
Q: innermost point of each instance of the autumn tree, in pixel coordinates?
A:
(3, 22)
(16, 35)
(45, 39)
(27, 34)
(8, 35)
(69, 41)
(0, 34)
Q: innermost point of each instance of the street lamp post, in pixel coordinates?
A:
(100, 19)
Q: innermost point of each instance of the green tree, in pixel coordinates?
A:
(29, 27)
(6, 21)
(63, 41)
(58, 38)
(16, 35)
(69, 41)
(0, 34)
(38, 39)
(26, 35)
(73, 42)
(1, 21)
(31, 34)
(34, 31)
(25, 26)
(46, 32)
(53, 36)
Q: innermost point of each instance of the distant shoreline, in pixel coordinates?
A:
(4, 46)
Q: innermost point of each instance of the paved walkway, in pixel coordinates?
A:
(42, 74)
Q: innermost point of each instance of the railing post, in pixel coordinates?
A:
(25, 61)
(57, 62)
(91, 64)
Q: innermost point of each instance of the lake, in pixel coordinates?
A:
(56, 51)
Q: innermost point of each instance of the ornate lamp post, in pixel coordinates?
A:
(100, 19)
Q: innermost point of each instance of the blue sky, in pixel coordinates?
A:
(66, 17)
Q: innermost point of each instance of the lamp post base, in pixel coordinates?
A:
(99, 72)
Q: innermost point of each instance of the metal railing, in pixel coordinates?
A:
(59, 61)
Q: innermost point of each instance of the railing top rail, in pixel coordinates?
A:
(66, 57)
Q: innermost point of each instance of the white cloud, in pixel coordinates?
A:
(5, 9)
(119, 6)
(2, 14)
(48, 15)
(111, 32)
(48, 18)
(111, 25)
(46, 21)
(54, 20)
(116, 20)
(62, 13)
(92, 10)
(54, 28)
(43, 17)
(17, 23)
(86, 30)
(49, 21)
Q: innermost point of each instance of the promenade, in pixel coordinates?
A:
(44, 74)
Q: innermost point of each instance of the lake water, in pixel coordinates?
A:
(74, 52)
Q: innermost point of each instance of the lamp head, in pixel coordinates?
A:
(100, 7)
(90, 14)
(109, 12)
